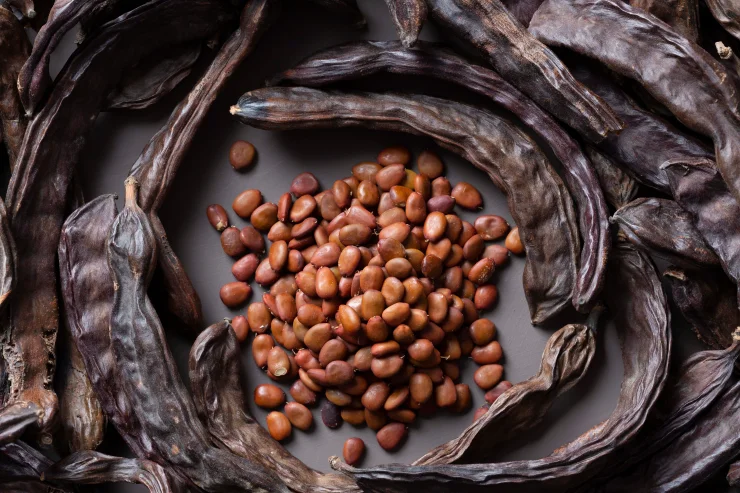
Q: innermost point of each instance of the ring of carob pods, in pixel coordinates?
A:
(663, 432)
(375, 288)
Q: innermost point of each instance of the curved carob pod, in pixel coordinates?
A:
(664, 229)
(543, 213)
(700, 189)
(565, 360)
(362, 58)
(618, 186)
(643, 323)
(699, 383)
(18, 417)
(170, 432)
(727, 13)
(89, 467)
(707, 300)
(665, 63)
(681, 15)
(348, 8)
(19, 461)
(522, 10)
(409, 16)
(39, 186)
(526, 63)
(160, 159)
(215, 369)
(154, 78)
(14, 50)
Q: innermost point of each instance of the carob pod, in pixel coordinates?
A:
(348, 8)
(707, 301)
(90, 467)
(695, 387)
(522, 10)
(14, 50)
(409, 16)
(681, 15)
(727, 13)
(358, 59)
(215, 369)
(20, 461)
(663, 62)
(543, 212)
(618, 186)
(25, 7)
(700, 189)
(526, 63)
(39, 186)
(170, 432)
(159, 161)
(643, 322)
(664, 229)
(153, 78)
(18, 417)
(8, 262)
(565, 360)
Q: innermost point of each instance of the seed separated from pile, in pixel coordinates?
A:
(374, 290)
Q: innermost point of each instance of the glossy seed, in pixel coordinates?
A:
(269, 396)
(300, 393)
(304, 184)
(391, 435)
(235, 294)
(278, 425)
(331, 415)
(488, 375)
(440, 203)
(217, 217)
(353, 450)
(375, 396)
(246, 203)
(482, 271)
(485, 296)
(264, 217)
(394, 155)
(231, 242)
(467, 196)
(390, 176)
(241, 155)
(430, 165)
(298, 415)
(491, 227)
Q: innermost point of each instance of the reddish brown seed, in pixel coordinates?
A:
(285, 202)
(326, 283)
(278, 255)
(342, 194)
(482, 331)
(299, 415)
(244, 268)
(421, 387)
(278, 362)
(269, 396)
(241, 154)
(259, 317)
(338, 397)
(333, 350)
(400, 268)
(394, 155)
(488, 375)
(499, 254)
(355, 417)
(441, 186)
(430, 165)
(303, 231)
(403, 335)
(386, 367)
(423, 186)
(485, 296)
(497, 391)
(264, 217)
(482, 271)
(231, 243)
(326, 255)
(252, 239)
(375, 419)
(406, 416)
(467, 196)
(396, 399)
(488, 354)
(453, 279)
(338, 373)
(396, 314)
(278, 425)
(240, 325)
(303, 207)
(355, 234)
(441, 249)
(304, 184)
(368, 193)
(279, 231)
(309, 382)
(235, 294)
(246, 202)
(491, 227)
(390, 176)
(296, 262)
(375, 396)
(397, 231)
(463, 398)
(317, 336)
(328, 207)
(371, 277)
(302, 394)
(514, 242)
(441, 203)
(217, 217)
(353, 450)
(362, 359)
(366, 171)
(445, 395)
(391, 435)
(400, 195)
(435, 226)
(310, 315)
(480, 412)
(420, 349)
(473, 248)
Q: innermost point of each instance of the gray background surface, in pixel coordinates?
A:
(206, 177)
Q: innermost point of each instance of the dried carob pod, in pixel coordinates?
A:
(362, 58)
(664, 229)
(526, 63)
(170, 432)
(728, 58)
(89, 467)
(154, 78)
(541, 207)
(49, 153)
(522, 10)
(19, 461)
(643, 323)
(707, 300)
(681, 15)
(158, 163)
(17, 418)
(697, 385)
(14, 50)
(348, 8)
(565, 360)
(409, 16)
(218, 391)
(618, 186)
(726, 12)
(665, 63)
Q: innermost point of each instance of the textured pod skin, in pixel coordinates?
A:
(681, 15)
(358, 59)
(158, 163)
(14, 50)
(522, 10)
(565, 360)
(409, 16)
(643, 48)
(727, 13)
(512, 160)
(643, 322)
(170, 432)
(664, 229)
(707, 301)
(25, 7)
(219, 397)
(619, 187)
(526, 63)
(19, 461)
